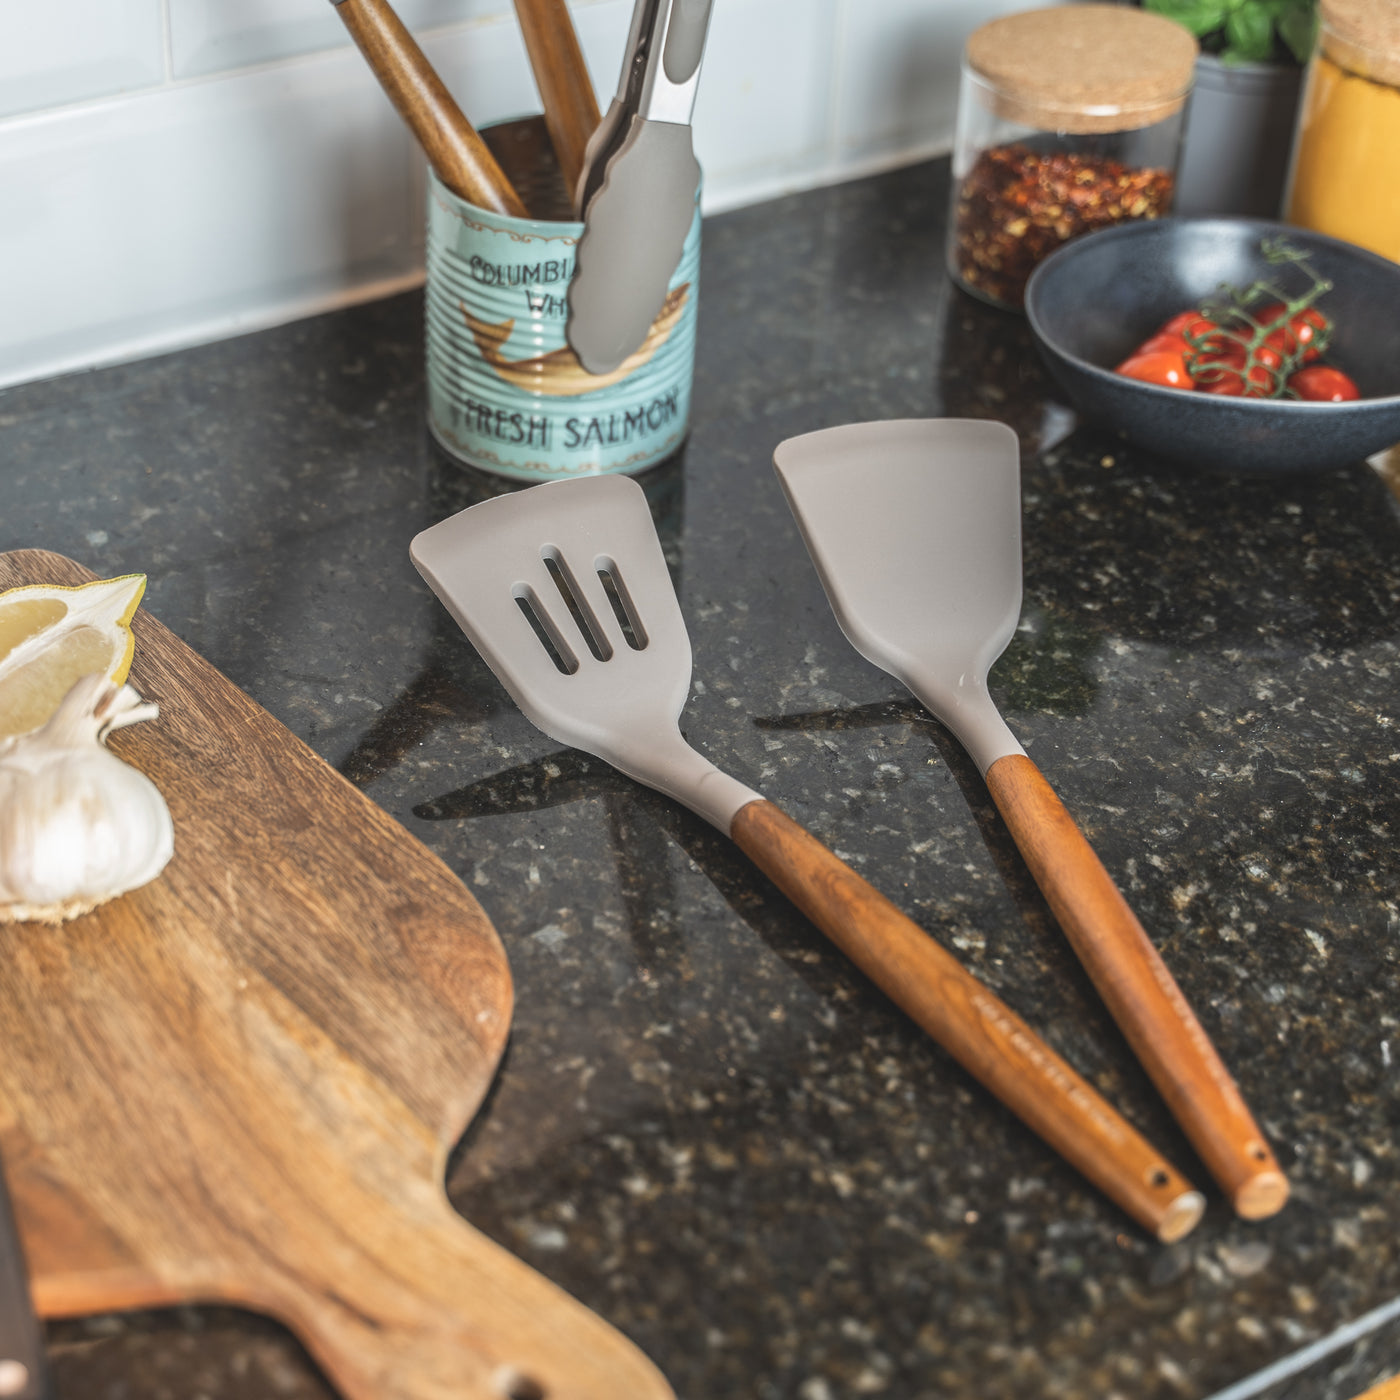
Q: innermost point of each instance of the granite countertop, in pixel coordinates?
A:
(708, 1126)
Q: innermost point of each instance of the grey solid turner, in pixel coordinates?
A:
(914, 527)
(564, 591)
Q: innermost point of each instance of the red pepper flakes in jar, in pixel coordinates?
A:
(1017, 206)
(1069, 120)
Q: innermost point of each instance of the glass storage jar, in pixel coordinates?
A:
(1345, 179)
(1069, 120)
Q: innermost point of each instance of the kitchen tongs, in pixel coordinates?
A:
(915, 529)
(636, 193)
(564, 591)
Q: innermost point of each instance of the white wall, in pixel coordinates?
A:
(173, 171)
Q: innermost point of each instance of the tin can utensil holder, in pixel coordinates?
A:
(505, 391)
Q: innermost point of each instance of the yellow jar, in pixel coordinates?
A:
(1345, 179)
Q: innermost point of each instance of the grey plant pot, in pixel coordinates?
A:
(1239, 132)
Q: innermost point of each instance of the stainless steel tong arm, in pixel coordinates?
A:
(662, 69)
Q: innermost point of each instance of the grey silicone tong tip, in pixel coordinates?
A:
(637, 192)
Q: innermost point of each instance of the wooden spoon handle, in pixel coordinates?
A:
(454, 150)
(1138, 989)
(566, 91)
(983, 1034)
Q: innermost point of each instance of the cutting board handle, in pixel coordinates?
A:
(1138, 989)
(430, 1309)
(979, 1030)
(394, 1301)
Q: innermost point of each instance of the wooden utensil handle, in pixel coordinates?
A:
(436, 1311)
(1138, 989)
(983, 1034)
(454, 150)
(566, 91)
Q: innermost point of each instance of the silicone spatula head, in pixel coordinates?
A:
(564, 591)
(914, 526)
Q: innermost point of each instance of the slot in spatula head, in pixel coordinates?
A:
(564, 591)
(915, 529)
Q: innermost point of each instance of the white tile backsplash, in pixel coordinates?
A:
(486, 68)
(61, 51)
(199, 205)
(213, 36)
(177, 170)
(762, 110)
(897, 85)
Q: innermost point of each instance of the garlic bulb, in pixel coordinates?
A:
(77, 825)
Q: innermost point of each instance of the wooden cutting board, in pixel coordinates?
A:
(240, 1083)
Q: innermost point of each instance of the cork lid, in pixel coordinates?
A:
(1084, 67)
(1364, 37)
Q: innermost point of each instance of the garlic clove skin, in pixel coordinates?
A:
(78, 826)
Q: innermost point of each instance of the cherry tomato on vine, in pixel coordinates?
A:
(1163, 340)
(1177, 324)
(1186, 323)
(1217, 380)
(1303, 329)
(1165, 367)
(1219, 370)
(1173, 337)
(1323, 384)
(1228, 376)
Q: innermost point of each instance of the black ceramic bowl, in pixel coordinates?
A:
(1091, 303)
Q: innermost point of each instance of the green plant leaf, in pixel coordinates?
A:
(1297, 27)
(1201, 17)
(1250, 32)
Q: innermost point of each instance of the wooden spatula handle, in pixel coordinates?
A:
(983, 1034)
(454, 150)
(566, 91)
(1138, 989)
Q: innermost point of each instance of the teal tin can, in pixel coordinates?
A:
(505, 392)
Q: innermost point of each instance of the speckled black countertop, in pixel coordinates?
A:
(708, 1127)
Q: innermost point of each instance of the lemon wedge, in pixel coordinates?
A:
(51, 637)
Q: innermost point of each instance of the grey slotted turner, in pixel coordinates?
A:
(914, 526)
(564, 591)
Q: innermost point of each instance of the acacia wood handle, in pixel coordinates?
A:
(1138, 989)
(566, 90)
(454, 150)
(965, 1017)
